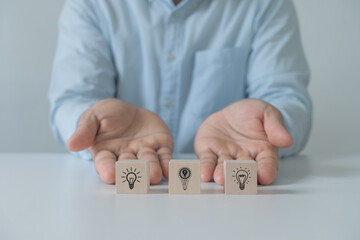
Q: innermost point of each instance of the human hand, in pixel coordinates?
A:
(113, 130)
(247, 129)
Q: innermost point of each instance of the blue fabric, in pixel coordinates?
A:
(181, 62)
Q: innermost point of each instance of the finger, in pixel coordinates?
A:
(208, 161)
(105, 166)
(127, 154)
(85, 132)
(165, 155)
(147, 153)
(275, 128)
(267, 164)
(219, 170)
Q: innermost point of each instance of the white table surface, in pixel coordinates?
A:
(56, 196)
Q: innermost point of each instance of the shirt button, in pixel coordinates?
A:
(175, 15)
(168, 103)
(171, 57)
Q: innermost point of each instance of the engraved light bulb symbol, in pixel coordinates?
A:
(184, 175)
(241, 177)
(131, 178)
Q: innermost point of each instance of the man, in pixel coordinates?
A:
(143, 78)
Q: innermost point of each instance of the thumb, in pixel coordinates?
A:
(275, 128)
(85, 132)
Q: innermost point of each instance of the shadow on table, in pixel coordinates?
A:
(292, 170)
(269, 191)
(158, 191)
(219, 190)
(337, 166)
(161, 188)
(331, 171)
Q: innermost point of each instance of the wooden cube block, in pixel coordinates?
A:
(240, 176)
(184, 177)
(132, 176)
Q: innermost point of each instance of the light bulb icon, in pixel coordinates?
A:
(184, 175)
(131, 177)
(241, 177)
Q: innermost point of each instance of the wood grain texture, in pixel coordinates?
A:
(132, 177)
(240, 177)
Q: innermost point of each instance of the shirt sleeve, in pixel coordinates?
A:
(83, 69)
(277, 69)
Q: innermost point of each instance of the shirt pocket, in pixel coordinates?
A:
(218, 80)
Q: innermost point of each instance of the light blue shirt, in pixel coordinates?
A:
(181, 62)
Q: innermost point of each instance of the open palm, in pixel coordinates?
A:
(113, 130)
(247, 129)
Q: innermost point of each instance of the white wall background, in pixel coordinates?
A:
(331, 37)
(27, 41)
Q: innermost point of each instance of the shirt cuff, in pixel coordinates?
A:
(297, 121)
(66, 120)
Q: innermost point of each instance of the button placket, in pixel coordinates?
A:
(170, 74)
